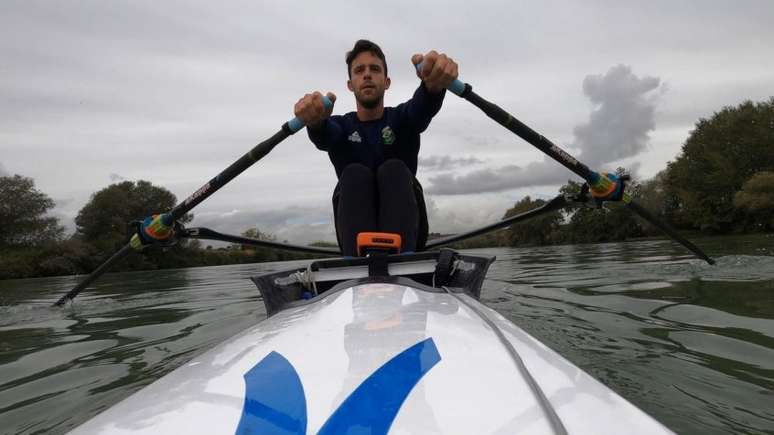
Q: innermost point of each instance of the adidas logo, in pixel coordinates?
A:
(355, 137)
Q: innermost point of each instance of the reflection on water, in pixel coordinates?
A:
(691, 344)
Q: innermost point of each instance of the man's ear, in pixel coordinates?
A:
(349, 85)
(387, 82)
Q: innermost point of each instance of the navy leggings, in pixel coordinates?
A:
(383, 201)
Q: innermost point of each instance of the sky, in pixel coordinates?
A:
(96, 92)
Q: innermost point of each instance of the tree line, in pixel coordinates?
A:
(33, 243)
(721, 182)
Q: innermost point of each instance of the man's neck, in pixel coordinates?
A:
(365, 114)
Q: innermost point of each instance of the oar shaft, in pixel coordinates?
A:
(239, 166)
(523, 131)
(104, 267)
(557, 203)
(645, 214)
(208, 234)
(510, 122)
(229, 173)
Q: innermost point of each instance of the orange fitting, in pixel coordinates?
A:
(382, 241)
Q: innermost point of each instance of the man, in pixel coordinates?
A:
(374, 150)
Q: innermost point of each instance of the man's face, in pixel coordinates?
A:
(368, 81)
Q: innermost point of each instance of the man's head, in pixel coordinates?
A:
(367, 70)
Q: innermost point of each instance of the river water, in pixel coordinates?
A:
(690, 344)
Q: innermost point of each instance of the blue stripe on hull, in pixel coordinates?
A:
(372, 407)
(274, 399)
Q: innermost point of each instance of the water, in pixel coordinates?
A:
(689, 343)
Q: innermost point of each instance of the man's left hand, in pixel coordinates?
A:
(438, 70)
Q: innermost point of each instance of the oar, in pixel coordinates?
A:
(158, 226)
(208, 234)
(597, 182)
(559, 202)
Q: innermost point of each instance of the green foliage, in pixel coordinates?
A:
(539, 230)
(656, 196)
(17, 263)
(756, 201)
(101, 230)
(255, 233)
(255, 254)
(104, 220)
(68, 257)
(324, 244)
(720, 154)
(497, 238)
(23, 220)
(612, 222)
(65, 257)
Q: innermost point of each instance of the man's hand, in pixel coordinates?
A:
(438, 70)
(311, 110)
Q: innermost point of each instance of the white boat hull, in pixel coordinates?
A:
(466, 378)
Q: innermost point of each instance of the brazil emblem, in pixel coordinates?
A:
(388, 136)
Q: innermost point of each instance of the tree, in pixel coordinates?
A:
(260, 253)
(538, 230)
(324, 244)
(718, 157)
(612, 222)
(104, 220)
(23, 220)
(255, 233)
(756, 201)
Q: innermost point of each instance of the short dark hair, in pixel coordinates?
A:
(364, 45)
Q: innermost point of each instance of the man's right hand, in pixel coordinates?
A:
(310, 109)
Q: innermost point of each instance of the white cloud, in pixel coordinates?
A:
(622, 118)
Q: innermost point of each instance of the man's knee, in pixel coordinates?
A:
(357, 172)
(393, 168)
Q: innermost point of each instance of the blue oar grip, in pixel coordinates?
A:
(456, 86)
(295, 124)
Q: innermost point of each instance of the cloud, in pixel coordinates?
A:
(445, 163)
(115, 177)
(498, 179)
(296, 224)
(622, 119)
(618, 127)
(446, 218)
(3, 171)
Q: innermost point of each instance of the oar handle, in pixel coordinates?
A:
(457, 86)
(295, 124)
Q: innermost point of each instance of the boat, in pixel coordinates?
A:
(396, 344)
(387, 342)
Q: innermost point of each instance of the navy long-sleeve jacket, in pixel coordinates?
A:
(396, 135)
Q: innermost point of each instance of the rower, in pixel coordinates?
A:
(374, 149)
